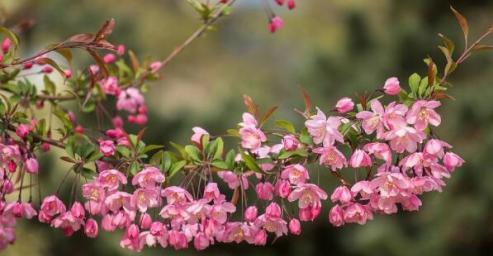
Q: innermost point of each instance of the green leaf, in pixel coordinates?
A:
(88, 173)
(49, 85)
(305, 138)
(287, 154)
(193, 152)
(250, 162)
(423, 85)
(220, 164)
(179, 148)
(166, 161)
(414, 81)
(134, 168)
(176, 168)
(286, 125)
(151, 148)
(230, 159)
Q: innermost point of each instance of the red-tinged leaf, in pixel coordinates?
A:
(141, 133)
(251, 107)
(105, 30)
(462, 22)
(106, 45)
(449, 44)
(134, 61)
(48, 61)
(68, 159)
(432, 71)
(437, 95)
(482, 47)
(66, 53)
(307, 100)
(82, 38)
(99, 60)
(451, 65)
(267, 114)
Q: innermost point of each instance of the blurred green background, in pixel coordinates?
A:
(332, 48)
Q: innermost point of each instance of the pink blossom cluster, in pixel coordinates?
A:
(15, 161)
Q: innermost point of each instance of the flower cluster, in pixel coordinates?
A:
(200, 194)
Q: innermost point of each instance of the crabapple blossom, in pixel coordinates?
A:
(344, 105)
(392, 86)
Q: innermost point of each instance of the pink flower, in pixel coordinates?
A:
(452, 161)
(307, 195)
(20, 210)
(373, 120)
(283, 188)
(155, 66)
(119, 200)
(290, 143)
(295, 173)
(230, 178)
(120, 49)
(357, 213)
(22, 130)
(6, 45)
(331, 157)
(404, 138)
(67, 223)
(107, 147)
(360, 159)
(91, 228)
(109, 58)
(32, 165)
(211, 192)
(379, 150)
(394, 115)
(201, 241)
(391, 184)
(336, 216)
(50, 207)
(111, 179)
(251, 213)
(93, 191)
(265, 190)
(275, 23)
(273, 210)
(130, 100)
(392, 86)
(219, 212)
(251, 136)
(196, 138)
(294, 226)
(145, 221)
(324, 129)
(110, 86)
(436, 147)
(144, 198)
(341, 194)
(176, 195)
(423, 113)
(362, 187)
(344, 105)
(77, 210)
(149, 177)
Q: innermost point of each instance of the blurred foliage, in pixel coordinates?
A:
(331, 48)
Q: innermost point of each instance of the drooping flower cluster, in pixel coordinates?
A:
(201, 194)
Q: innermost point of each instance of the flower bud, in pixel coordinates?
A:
(294, 226)
(251, 213)
(392, 86)
(344, 105)
(91, 228)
